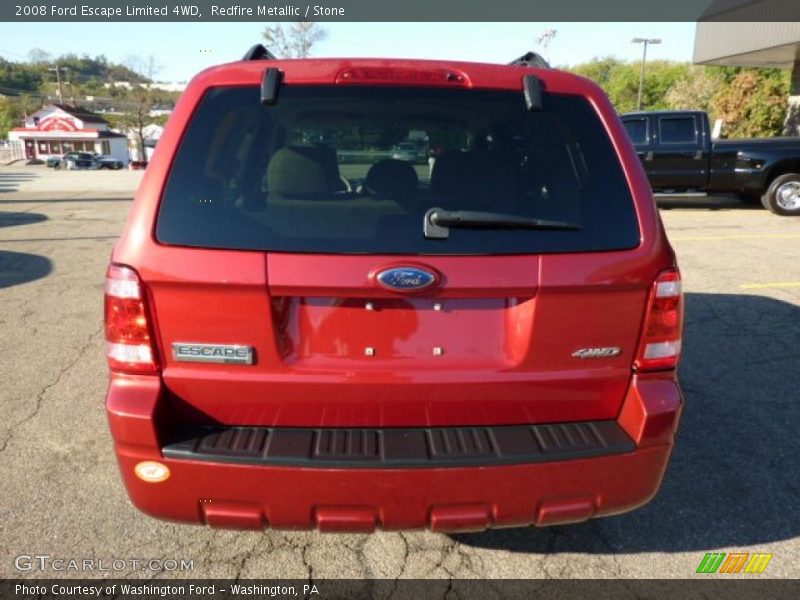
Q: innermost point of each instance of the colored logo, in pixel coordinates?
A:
(734, 562)
(57, 124)
(406, 279)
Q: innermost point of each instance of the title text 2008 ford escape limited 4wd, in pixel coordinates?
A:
(306, 332)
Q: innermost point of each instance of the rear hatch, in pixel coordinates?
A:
(290, 230)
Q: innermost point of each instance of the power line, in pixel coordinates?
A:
(12, 54)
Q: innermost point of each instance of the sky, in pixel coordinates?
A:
(183, 49)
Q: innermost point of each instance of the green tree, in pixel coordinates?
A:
(599, 70)
(620, 80)
(752, 102)
(17, 77)
(10, 115)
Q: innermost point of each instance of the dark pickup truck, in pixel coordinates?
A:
(681, 158)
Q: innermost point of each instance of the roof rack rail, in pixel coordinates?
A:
(259, 52)
(531, 59)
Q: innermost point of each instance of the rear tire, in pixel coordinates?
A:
(783, 195)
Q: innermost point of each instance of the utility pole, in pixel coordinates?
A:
(24, 102)
(644, 42)
(69, 84)
(57, 69)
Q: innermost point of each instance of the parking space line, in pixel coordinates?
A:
(776, 284)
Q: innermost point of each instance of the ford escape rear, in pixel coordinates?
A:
(304, 331)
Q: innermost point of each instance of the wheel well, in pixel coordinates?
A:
(790, 165)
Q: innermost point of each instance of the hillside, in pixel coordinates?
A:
(83, 72)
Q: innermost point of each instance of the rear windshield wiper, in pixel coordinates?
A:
(439, 221)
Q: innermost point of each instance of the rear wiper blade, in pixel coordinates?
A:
(439, 221)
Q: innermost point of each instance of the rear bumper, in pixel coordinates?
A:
(240, 494)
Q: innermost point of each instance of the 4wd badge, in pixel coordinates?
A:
(607, 352)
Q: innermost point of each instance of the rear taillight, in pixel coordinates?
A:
(130, 347)
(660, 347)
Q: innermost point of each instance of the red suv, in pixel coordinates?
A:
(304, 332)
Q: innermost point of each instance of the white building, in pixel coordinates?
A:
(152, 133)
(162, 86)
(60, 128)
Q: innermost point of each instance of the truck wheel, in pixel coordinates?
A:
(783, 195)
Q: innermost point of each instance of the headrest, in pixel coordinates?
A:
(300, 172)
(391, 178)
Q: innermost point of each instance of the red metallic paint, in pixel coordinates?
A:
(450, 499)
(508, 327)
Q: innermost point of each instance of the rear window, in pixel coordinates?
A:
(637, 130)
(354, 169)
(677, 130)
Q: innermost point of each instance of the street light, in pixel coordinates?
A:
(644, 42)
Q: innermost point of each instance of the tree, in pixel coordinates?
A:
(695, 90)
(142, 98)
(599, 70)
(754, 104)
(10, 115)
(620, 80)
(295, 40)
(21, 76)
(37, 55)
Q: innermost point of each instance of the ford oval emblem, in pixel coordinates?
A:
(406, 279)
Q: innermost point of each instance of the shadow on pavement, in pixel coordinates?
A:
(79, 238)
(9, 182)
(20, 267)
(733, 478)
(721, 202)
(10, 219)
(76, 200)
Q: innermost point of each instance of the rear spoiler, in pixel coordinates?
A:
(272, 77)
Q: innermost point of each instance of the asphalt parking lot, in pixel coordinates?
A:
(732, 483)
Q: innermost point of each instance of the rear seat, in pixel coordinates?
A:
(392, 178)
(300, 173)
(473, 179)
(300, 180)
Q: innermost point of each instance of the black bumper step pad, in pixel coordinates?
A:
(399, 447)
